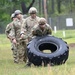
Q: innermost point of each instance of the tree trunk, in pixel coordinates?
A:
(70, 6)
(42, 6)
(52, 6)
(74, 2)
(39, 7)
(23, 6)
(45, 9)
(59, 6)
(26, 9)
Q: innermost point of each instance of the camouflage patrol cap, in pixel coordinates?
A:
(12, 15)
(17, 12)
(42, 21)
(32, 10)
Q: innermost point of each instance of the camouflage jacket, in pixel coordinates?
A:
(38, 32)
(28, 24)
(9, 29)
(16, 31)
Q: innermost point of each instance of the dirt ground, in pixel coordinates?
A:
(71, 45)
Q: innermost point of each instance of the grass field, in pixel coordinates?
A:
(8, 67)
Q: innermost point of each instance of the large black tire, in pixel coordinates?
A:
(59, 51)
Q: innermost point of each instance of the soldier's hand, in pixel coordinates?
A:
(14, 41)
(22, 36)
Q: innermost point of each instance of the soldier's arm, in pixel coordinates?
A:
(49, 29)
(23, 27)
(12, 32)
(23, 32)
(34, 29)
(7, 30)
(34, 33)
(12, 35)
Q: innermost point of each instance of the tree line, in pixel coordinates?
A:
(54, 8)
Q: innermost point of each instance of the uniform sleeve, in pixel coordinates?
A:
(23, 28)
(34, 33)
(7, 30)
(12, 32)
(49, 29)
(34, 30)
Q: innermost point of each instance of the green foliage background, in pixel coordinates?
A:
(7, 8)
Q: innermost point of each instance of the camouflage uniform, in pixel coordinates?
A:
(30, 22)
(42, 28)
(21, 43)
(8, 29)
(38, 32)
(8, 34)
(28, 25)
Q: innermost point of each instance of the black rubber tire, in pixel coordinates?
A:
(59, 51)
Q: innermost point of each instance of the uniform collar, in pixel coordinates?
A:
(32, 18)
(41, 30)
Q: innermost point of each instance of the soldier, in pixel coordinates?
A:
(16, 37)
(28, 25)
(42, 28)
(8, 34)
(30, 22)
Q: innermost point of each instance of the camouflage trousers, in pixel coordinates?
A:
(14, 50)
(20, 52)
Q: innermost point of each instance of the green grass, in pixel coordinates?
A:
(8, 67)
(70, 35)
